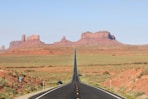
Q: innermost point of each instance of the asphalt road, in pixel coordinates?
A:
(75, 90)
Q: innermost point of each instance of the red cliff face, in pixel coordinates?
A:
(101, 38)
(33, 40)
(63, 42)
(97, 35)
(2, 48)
(97, 39)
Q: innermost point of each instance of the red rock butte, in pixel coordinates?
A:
(101, 38)
(33, 40)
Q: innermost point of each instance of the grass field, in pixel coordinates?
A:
(65, 60)
(35, 60)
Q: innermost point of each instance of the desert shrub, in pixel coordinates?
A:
(14, 73)
(30, 88)
(2, 82)
(4, 96)
(126, 95)
(136, 94)
(144, 72)
(106, 73)
(140, 63)
(29, 70)
(9, 94)
(10, 90)
(137, 68)
(22, 74)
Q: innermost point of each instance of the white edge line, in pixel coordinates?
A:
(109, 93)
(49, 91)
(104, 91)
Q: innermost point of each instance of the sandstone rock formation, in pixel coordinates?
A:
(33, 46)
(97, 35)
(2, 48)
(63, 42)
(101, 38)
(33, 40)
(97, 39)
(14, 44)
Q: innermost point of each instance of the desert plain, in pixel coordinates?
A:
(122, 69)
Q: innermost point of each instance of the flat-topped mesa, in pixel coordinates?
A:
(97, 35)
(33, 38)
(101, 38)
(25, 42)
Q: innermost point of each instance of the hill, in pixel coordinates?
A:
(101, 38)
(32, 45)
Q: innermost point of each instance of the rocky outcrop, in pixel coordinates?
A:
(14, 44)
(97, 39)
(101, 38)
(2, 48)
(32, 45)
(33, 40)
(97, 35)
(63, 42)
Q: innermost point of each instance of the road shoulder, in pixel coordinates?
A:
(31, 94)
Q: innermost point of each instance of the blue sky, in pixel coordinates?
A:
(53, 19)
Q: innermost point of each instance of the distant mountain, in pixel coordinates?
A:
(32, 45)
(101, 38)
(30, 41)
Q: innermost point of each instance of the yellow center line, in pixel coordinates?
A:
(77, 91)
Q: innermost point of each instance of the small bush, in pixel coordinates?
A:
(138, 94)
(2, 82)
(29, 70)
(106, 73)
(144, 72)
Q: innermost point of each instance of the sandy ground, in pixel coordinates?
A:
(31, 94)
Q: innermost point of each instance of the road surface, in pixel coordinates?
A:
(76, 90)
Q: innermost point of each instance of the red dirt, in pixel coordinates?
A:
(10, 79)
(129, 80)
